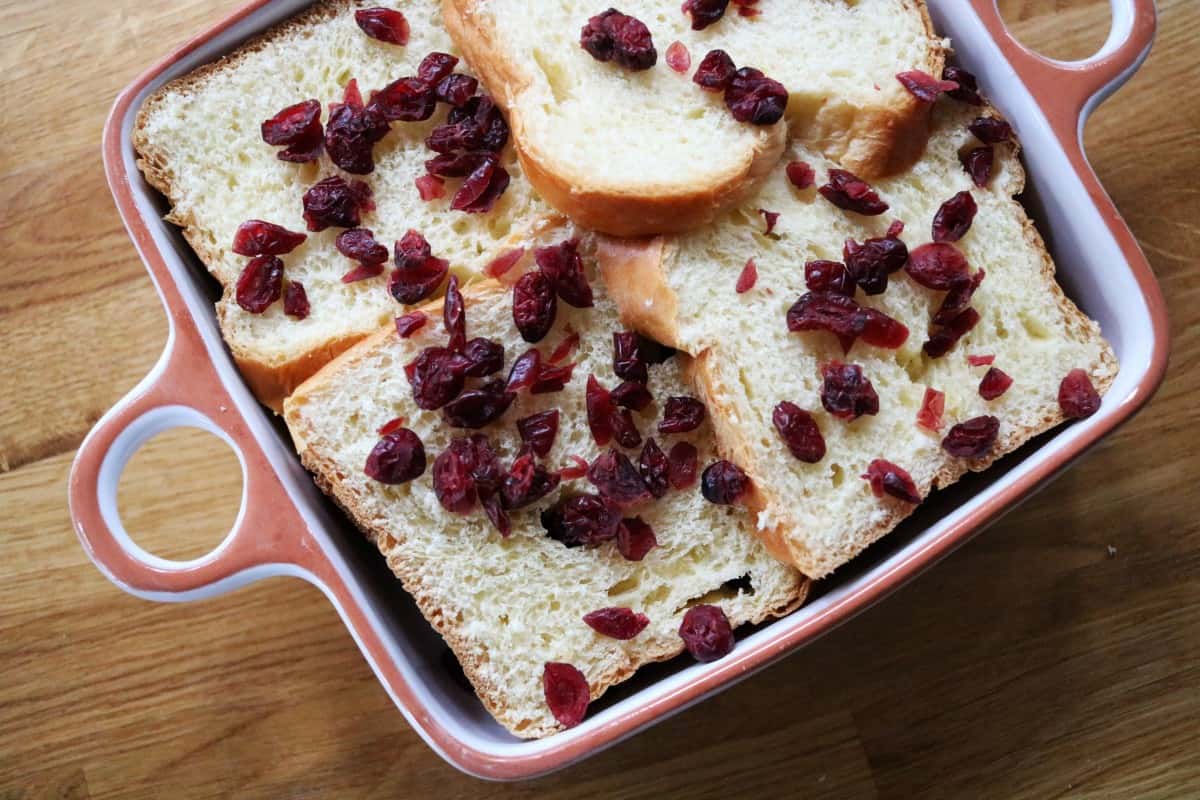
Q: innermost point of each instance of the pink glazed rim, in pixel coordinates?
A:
(272, 536)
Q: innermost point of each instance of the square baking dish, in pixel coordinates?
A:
(286, 526)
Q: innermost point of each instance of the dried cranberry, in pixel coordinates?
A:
(351, 134)
(973, 438)
(362, 272)
(635, 538)
(524, 371)
(747, 278)
(627, 361)
(614, 475)
(436, 66)
(871, 262)
(578, 469)
(968, 87)
(624, 429)
(801, 174)
(678, 58)
(565, 347)
(706, 633)
(477, 407)
(681, 414)
(747, 8)
(456, 90)
(613, 36)
(501, 264)
(653, 466)
(981, 360)
(845, 319)
(534, 306)
(563, 267)
(995, 383)
(526, 482)
(978, 164)
(633, 395)
(884, 476)
(454, 316)
(487, 117)
(653, 352)
(1077, 397)
(552, 379)
(600, 411)
(938, 266)
(393, 424)
(437, 376)
(410, 323)
(715, 71)
(771, 219)
(586, 520)
(945, 338)
(493, 507)
(418, 273)
(566, 691)
(351, 95)
(933, 405)
(453, 483)
(847, 191)
(846, 392)
(333, 202)
(704, 12)
(404, 100)
(954, 218)
(682, 465)
(753, 97)
(799, 432)
(384, 24)
(957, 299)
(828, 276)
(990, 130)
(895, 229)
(482, 188)
(360, 245)
(485, 357)
(924, 86)
(430, 187)
(616, 623)
(396, 458)
(257, 238)
(295, 300)
(449, 139)
(723, 482)
(539, 430)
(260, 284)
(298, 129)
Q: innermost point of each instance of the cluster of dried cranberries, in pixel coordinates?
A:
(261, 282)
(749, 94)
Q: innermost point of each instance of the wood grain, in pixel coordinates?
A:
(1056, 656)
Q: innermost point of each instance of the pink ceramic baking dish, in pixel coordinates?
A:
(285, 526)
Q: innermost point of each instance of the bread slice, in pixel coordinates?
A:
(818, 516)
(507, 606)
(198, 142)
(636, 153)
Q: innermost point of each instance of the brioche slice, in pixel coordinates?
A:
(818, 516)
(198, 141)
(635, 153)
(506, 606)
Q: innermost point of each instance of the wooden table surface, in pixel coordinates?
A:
(1058, 655)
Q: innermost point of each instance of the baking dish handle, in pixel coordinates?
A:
(183, 390)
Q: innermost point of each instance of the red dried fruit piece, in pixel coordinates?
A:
(552, 379)
(360, 245)
(683, 463)
(526, 482)
(614, 475)
(295, 300)
(747, 278)
(487, 118)
(454, 316)
(957, 299)
(846, 392)
(635, 538)
(747, 8)
(437, 376)
(566, 692)
(452, 481)
(384, 24)
(257, 238)
(396, 458)
(715, 71)
(845, 319)
(799, 432)
(654, 468)
(260, 284)
(600, 411)
(995, 383)
(436, 66)
(362, 272)
(753, 97)
(990, 130)
(616, 623)
(632, 395)
(504, 262)
(410, 323)
(534, 306)
(652, 352)
(968, 87)
(884, 476)
(981, 360)
(524, 371)
(565, 347)
(938, 266)
(849, 192)
(456, 90)
(801, 174)
(978, 164)
(624, 429)
(828, 276)
(493, 507)
(578, 469)
(482, 188)
(706, 633)
(430, 187)
(924, 86)
(704, 12)
(895, 229)
(404, 100)
(681, 414)
(539, 430)
(477, 407)
(954, 218)
(563, 267)
(586, 520)
(351, 134)
(678, 58)
(418, 273)
(450, 138)
(393, 424)
(485, 356)
(723, 483)
(627, 360)
(351, 95)
(333, 202)
(945, 338)
(933, 405)
(298, 129)
(613, 36)
(771, 218)
(870, 263)
(973, 438)
(1077, 397)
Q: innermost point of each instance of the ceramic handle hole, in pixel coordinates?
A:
(1068, 34)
